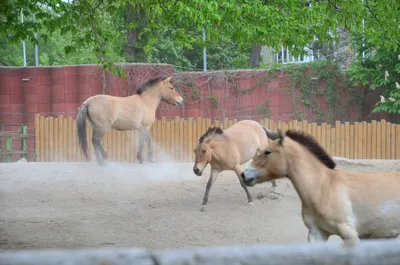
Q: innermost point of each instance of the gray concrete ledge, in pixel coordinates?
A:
(383, 252)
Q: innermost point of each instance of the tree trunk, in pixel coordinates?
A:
(132, 52)
(255, 56)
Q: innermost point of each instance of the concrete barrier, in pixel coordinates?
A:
(383, 252)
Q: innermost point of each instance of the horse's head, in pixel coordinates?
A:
(169, 93)
(203, 155)
(270, 164)
(203, 150)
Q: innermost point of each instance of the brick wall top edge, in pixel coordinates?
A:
(59, 66)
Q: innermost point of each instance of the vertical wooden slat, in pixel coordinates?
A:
(388, 140)
(230, 123)
(50, 139)
(38, 131)
(356, 142)
(346, 142)
(60, 138)
(65, 139)
(328, 139)
(338, 139)
(123, 146)
(69, 138)
(119, 147)
(126, 144)
(383, 139)
(185, 140)
(168, 139)
(163, 145)
(318, 134)
(181, 138)
(333, 142)
(352, 141)
(378, 140)
(342, 140)
(225, 123)
(190, 137)
(364, 144)
(369, 136)
(393, 140)
(46, 140)
(109, 145)
(397, 141)
(74, 144)
(55, 139)
(323, 136)
(42, 139)
(172, 139)
(194, 136)
(360, 141)
(373, 139)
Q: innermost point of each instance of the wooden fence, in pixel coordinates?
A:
(56, 139)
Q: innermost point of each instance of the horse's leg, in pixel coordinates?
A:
(101, 155)
(213, 176)
(142, 138)
(149, 149)
(238, 171)
(349, 235)
(317, 235)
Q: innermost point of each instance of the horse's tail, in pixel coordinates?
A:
(81, 124)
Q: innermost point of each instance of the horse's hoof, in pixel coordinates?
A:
(250, 203)
(203, 208)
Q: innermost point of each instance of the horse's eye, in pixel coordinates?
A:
(171, 88)
(203, 151)
(267, 152)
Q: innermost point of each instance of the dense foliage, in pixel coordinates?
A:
(100, 31)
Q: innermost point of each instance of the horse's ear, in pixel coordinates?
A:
(271, 135)
(281, 136)
(168, 79)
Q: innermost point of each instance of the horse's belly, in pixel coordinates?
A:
(383, 223)
(123, 125)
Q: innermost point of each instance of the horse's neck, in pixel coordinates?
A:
(307, 175)
(152, 99)
(220, 150)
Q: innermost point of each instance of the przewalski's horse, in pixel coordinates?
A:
(136, 112)
(353, 206)
(228, 150)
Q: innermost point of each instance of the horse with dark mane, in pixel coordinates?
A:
(352, 205)
(228, 150)
(136, 112)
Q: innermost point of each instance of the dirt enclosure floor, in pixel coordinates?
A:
(155, 206)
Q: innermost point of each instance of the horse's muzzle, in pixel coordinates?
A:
(197, 171)
(249, 181)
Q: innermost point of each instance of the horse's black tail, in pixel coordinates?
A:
(81, 124)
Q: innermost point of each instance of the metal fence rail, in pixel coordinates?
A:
(383, 252)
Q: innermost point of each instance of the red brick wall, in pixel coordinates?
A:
(60, 90)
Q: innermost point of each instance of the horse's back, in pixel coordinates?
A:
(249, 129)
(247, 136)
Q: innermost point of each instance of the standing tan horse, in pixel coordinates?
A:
(136, 112)
(228, 150)
(351, 205)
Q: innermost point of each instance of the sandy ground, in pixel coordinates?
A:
(79, 205)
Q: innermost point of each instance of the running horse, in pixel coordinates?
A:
(351, 205)
(228, 150)
(136, 112)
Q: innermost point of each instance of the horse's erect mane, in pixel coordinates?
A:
(149, 83)
(209, 132)
(313, 146)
